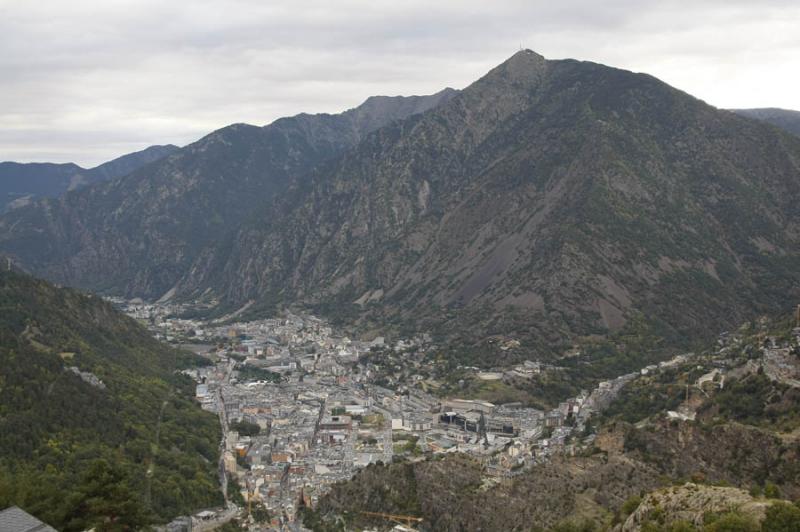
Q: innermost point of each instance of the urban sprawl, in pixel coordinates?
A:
(300, 410)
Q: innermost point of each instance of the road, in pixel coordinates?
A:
(223, 422)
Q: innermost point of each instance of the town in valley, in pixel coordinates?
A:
(303, 407)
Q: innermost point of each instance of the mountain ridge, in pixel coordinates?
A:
(786, 119)
(157, 219)
(21, 183)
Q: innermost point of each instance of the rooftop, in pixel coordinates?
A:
(14, 519)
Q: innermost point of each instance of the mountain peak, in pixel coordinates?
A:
(523, 69)
(525, 65)
(526, 54)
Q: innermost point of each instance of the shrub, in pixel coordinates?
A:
(630, 505)
(772, 491)
(732, 522)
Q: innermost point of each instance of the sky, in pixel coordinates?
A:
(86, 81)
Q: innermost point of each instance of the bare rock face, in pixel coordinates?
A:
(690, 502)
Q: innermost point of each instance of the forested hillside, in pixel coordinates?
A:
(120, 445)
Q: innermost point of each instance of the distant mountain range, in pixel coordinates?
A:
(139, 235)
(21, 183)
(546, 201)
(782, 118)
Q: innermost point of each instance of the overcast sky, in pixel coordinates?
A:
(86, 81)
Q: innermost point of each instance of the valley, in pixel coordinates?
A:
(549, 200)
(562, 297)
(307, 412)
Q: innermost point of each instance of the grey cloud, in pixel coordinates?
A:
(87, 80)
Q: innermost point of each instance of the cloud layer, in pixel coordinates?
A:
(86, 81)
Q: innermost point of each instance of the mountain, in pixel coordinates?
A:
(128, 163)
(140, 234)
(547, 201)
(782, 118)
(20, 183)
(96, 427)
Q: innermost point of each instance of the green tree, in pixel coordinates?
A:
(104, 501)
(230, 526)
(260, 513)
(245, 428)
(235, 492)
(584, 525)
(680, 526)
(782, 517)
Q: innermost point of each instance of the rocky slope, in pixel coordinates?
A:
(782, 118)
(548, 200)
(691, 503)
(593, 488)
(21, 183)
(548, 494)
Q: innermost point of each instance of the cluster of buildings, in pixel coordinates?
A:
(777, 357)
(302, 408)
(296, 412)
